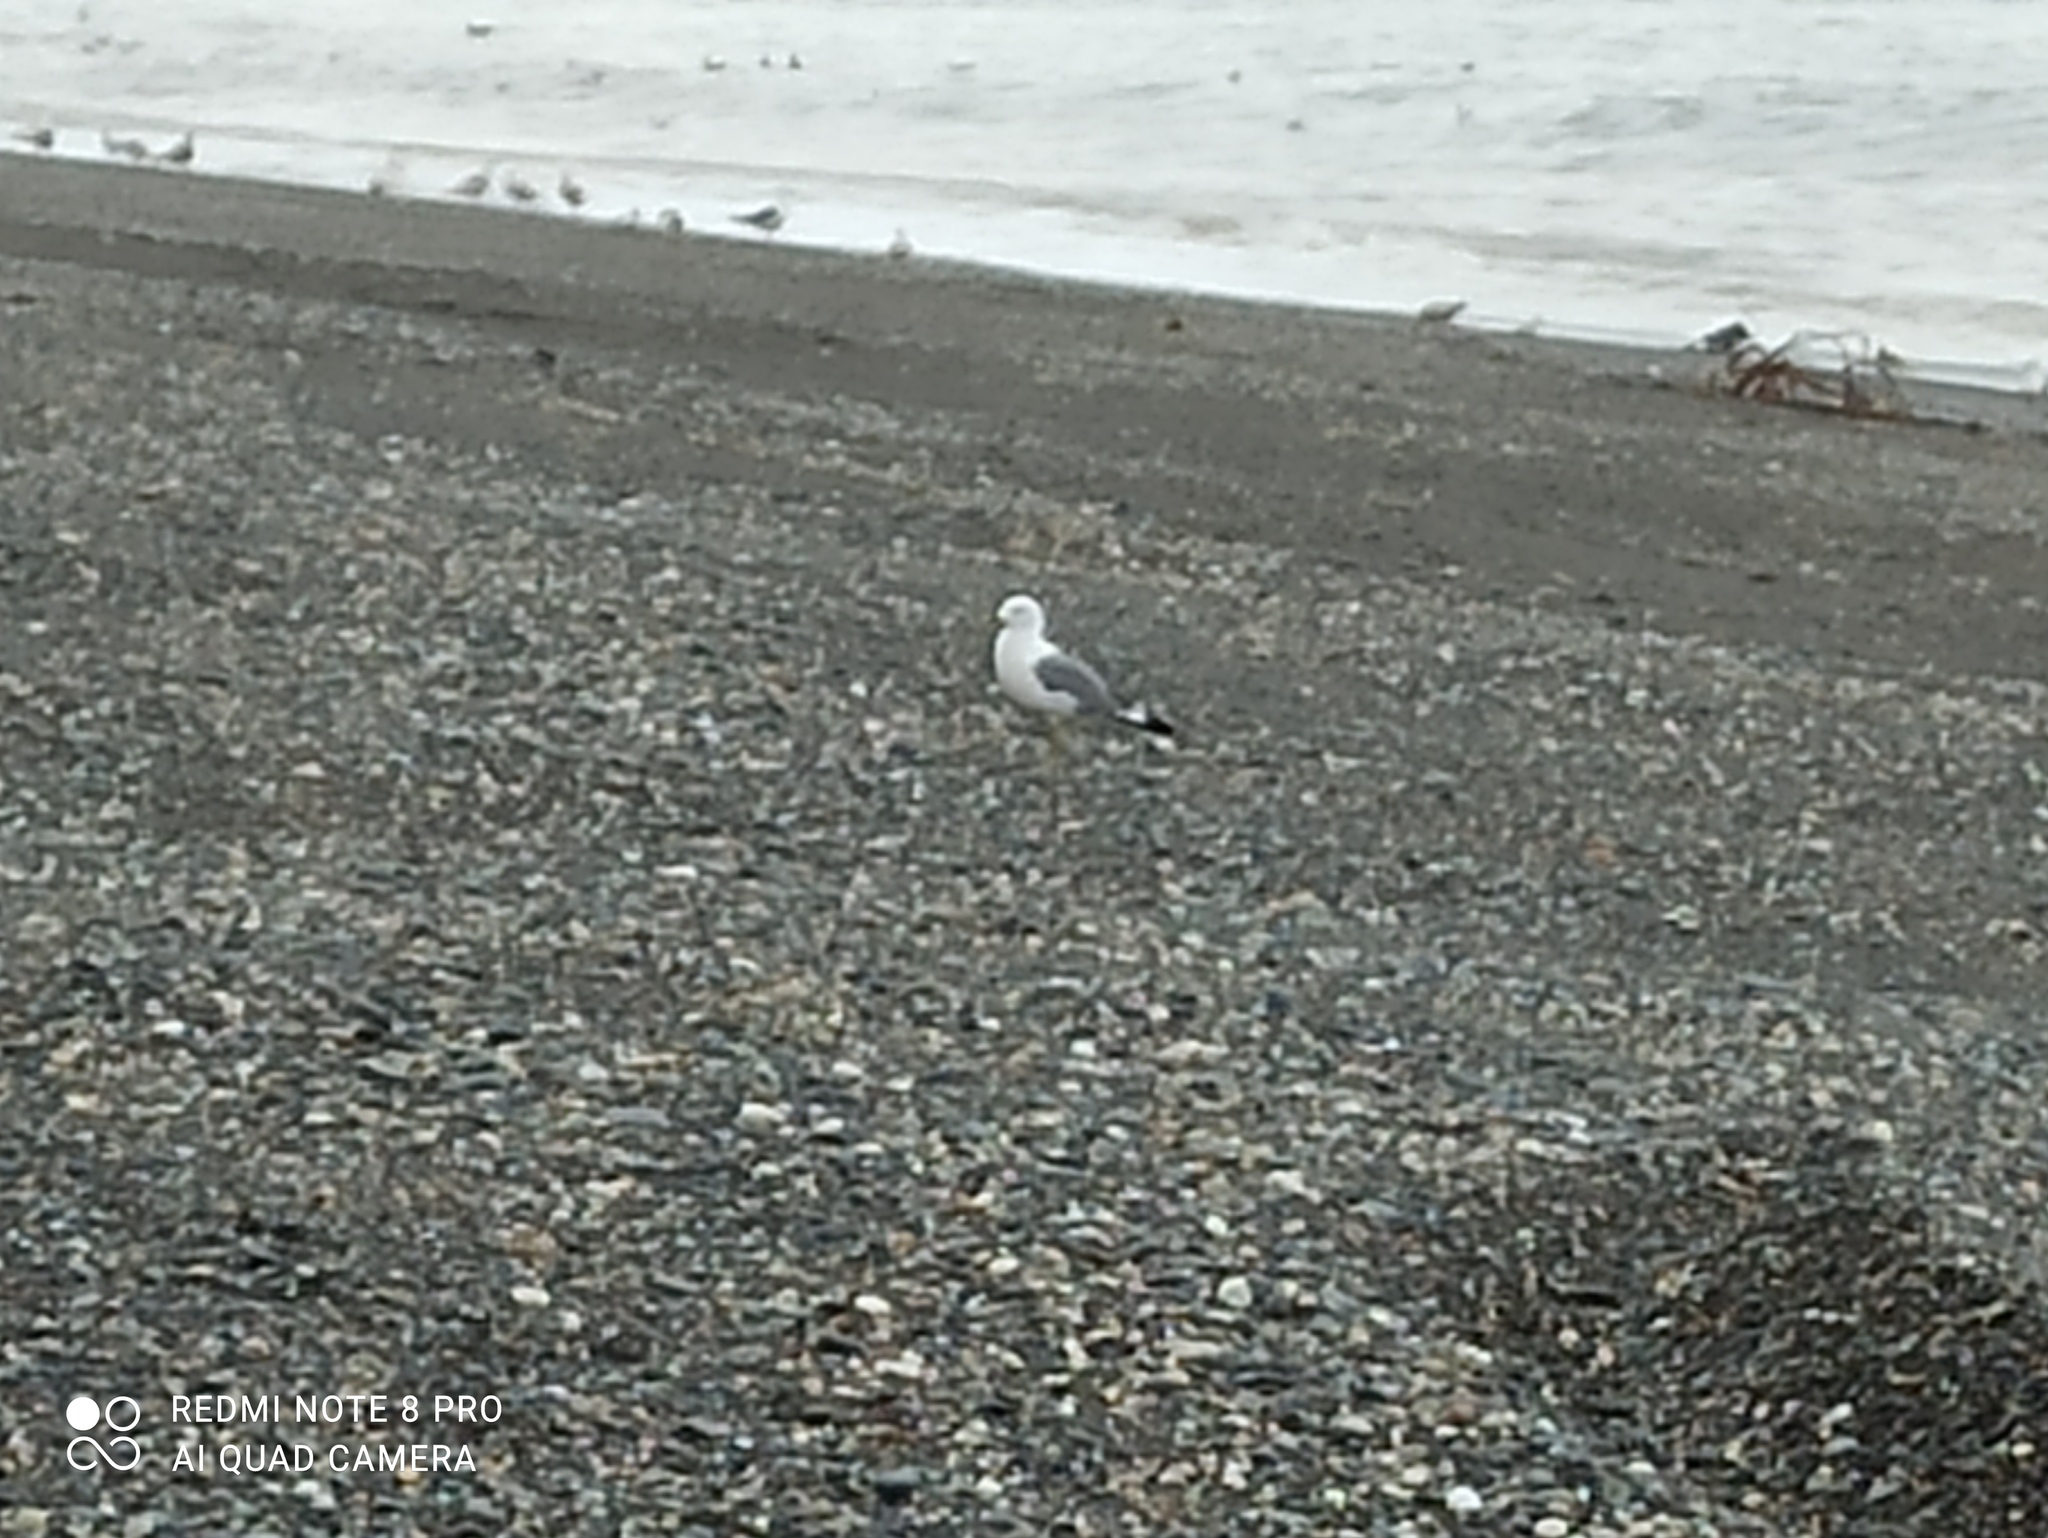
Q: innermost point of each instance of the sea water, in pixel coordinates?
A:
(1636, 169)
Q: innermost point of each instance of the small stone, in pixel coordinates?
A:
(1464, 1500)
(529, 1295)
(758, 1119)
(909, 1365)
(1551, 1527)
(1291, 1183)
(638, 1116)
(898, 1484)
(1235, 1292)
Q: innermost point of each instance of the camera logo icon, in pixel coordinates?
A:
(84, 1413)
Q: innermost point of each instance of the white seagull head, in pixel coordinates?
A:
(1021, 612)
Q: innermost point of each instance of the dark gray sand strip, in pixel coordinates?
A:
(514, 881)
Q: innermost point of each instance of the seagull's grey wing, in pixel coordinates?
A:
(1060, 674)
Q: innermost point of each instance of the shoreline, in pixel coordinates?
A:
(1956, 385)
(1953, 391)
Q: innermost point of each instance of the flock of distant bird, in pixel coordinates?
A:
(767, 219)
(177, 153)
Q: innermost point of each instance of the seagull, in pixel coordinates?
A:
(41, 138)
(571, 190)
(128, 149)
(1724, 338)
(474, 185)
(518, 188)
(1039, 676)
(671, 222)
(900, 249)
(180, 151)
(767, 219)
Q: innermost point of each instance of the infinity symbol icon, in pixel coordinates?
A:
(91, 1460)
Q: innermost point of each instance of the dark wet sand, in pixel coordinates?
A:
(1499, 467)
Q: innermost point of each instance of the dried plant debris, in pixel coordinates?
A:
(470, 929)
(1823, 371)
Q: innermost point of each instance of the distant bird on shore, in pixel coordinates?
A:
(127, 149)
(795, 62)
(1724, 338)
(41, 138)
(180, 151)
(518, 188)
(479, 27)
(474, 185)
(571, 190)
(671, 222)
(713, 64)
(1440, 312)
(900, 248)
(767, 219)
(1039, 676)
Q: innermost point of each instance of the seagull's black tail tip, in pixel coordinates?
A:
(1141, 718)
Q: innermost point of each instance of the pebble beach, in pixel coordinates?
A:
(515, 881)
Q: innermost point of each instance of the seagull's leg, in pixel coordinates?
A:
(1054, 746)
(1055, 769)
